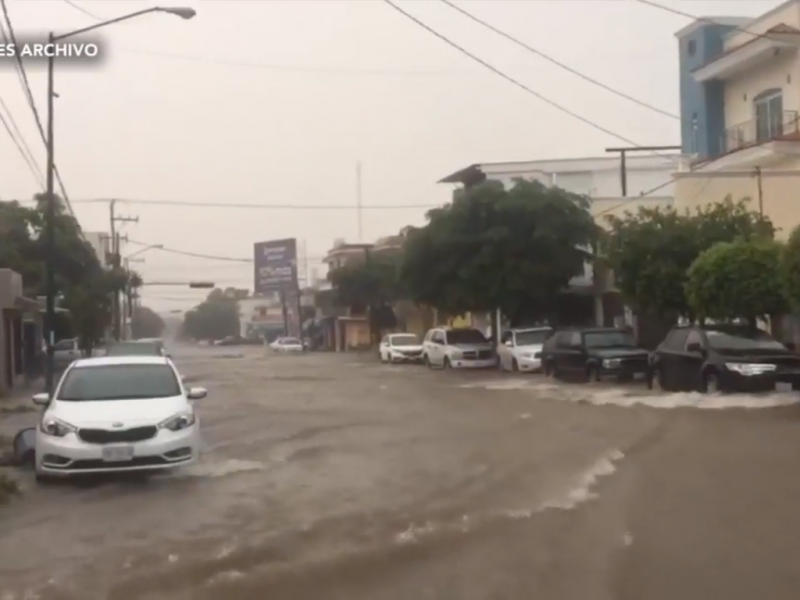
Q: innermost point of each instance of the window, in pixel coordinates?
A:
(119, 382)
(535, 337)
(438, 337)
(574, 339)
(742, 339)
(691, 47)
(611, 338)
(768, 109)
(676, 340)
(404, 339)
(465, 336)
(694, 338)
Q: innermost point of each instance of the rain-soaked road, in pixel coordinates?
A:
(331, 477)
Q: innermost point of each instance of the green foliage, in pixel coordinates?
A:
(80, 277)
(369, 288)
(146, 323)
(514, 249)
(217, 317)
(364, 284)
(790, 268)
(650, 251)
(737, 279)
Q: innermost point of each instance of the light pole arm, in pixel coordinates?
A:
(181, 12)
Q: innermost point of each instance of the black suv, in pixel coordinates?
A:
(592, 354)
(723, 358)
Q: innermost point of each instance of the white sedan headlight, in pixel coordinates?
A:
(56, 427)
(177, 422)
(749, 370)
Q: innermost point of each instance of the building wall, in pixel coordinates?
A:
(776, 74)
(779, 192)
(594, 176)
(788, 12)
(702, 109)
(99, 242)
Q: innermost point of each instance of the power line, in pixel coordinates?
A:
(681, 13)
(192, 254)
(510, 79)
(246, 205)
(270, 66)
(31, 165)
(26, 89)
(558, 63)
(83, 10)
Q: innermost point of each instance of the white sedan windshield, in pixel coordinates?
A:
(119, 382)
(290, 342)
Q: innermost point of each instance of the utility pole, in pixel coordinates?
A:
(758, 177)
(623, 164)
(117, 264)
(358, 200)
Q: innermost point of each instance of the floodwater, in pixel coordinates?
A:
(334, 477)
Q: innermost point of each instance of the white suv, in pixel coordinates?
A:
(462, 348)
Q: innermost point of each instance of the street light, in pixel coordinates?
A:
(50, 210)
(145, 249)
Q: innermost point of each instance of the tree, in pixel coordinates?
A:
(650, 251)
(739, 279)
(80, 277)
(146, 323)
(513, 249)
(790, 268)
(369, 287)
(215, 318)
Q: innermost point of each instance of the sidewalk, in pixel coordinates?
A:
(17, 410)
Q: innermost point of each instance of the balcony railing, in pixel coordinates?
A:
(759, 131)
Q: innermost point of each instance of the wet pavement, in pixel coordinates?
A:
(334, 477)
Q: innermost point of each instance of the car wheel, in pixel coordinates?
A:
(447, 364)
(427, 361)
(711, 383)
(514, 365)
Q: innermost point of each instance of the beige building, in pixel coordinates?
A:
(20, 332)
(740, 101)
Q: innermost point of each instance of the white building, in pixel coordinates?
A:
(100, 243)
(598, 177)
(648, 177)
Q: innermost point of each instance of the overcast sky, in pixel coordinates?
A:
(275, 102)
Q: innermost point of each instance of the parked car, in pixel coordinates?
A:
(458, 348)
(400, 348)
(126, 413)
(592, 354)
(65, 352)
(521, 349)
(287, 344)
(720, 358)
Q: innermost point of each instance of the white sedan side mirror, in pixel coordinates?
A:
(197, 393)
(41, 399)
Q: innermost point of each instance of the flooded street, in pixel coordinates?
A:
(334, 477)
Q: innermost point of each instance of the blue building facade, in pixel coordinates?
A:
(702, 103)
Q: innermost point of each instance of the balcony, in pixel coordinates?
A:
(756, 143)
(759, 131)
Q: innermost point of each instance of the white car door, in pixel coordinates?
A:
(439, 347)
(383, 349)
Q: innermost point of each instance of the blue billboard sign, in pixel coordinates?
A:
(275, 266)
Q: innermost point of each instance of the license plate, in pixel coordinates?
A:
(117, 453)
(782, 386)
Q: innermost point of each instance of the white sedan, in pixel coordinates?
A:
(121, 413)
(401, 348)
(287, 344)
